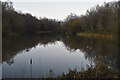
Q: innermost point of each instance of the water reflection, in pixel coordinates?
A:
(50, 55)
(99, 49)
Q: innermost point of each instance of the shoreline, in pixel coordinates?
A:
(97, 35)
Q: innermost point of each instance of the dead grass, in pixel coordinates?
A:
(99, 71)
(96, 35)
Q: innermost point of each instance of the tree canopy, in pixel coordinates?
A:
(99, 19)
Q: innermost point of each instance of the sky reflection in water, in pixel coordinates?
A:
(53, 56)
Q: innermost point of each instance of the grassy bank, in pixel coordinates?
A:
(98, 35)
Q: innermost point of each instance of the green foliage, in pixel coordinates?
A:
(99, 19)
(49, 25)
(72, 26)
(102, 19)
(18, 23)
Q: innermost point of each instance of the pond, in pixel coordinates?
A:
(49, 55)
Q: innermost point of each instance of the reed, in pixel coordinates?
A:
(98, 35)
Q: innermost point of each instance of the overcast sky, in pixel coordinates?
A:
(56, 9)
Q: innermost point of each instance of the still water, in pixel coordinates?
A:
(50, 55)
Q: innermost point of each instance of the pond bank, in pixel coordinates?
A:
(12, 34)
(43, 32)
(99, 71)
(98, 35)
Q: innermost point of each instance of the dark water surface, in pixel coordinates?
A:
(50, 55)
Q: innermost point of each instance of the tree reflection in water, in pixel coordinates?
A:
(98, 49)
